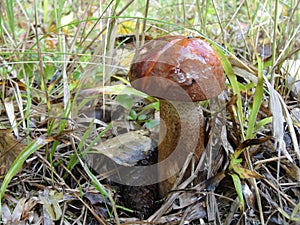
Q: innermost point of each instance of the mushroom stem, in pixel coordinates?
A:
(182, 130)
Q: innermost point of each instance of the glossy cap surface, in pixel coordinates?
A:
(177, 68)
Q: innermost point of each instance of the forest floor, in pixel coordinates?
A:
(72, 125)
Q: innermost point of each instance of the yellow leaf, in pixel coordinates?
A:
(245, 173)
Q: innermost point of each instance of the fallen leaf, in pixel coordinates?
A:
(51, 208)
(10, 148)
(235, 164)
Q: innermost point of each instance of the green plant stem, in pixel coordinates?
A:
(40, 58)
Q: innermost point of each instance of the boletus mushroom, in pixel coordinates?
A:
(180, 71)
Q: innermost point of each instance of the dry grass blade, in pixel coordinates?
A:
(278, 109)
(64, 88)
(174, 195)
(10, 111)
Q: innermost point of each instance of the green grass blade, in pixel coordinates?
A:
(1, 23)
(58, 11)
(117, 4)
(99, 187)
(238, 189)
(263, 123)
(10, 15)
(257, 100)
(234, 85)
(296, 210)
(19, 161)
(73, 159)
(109, 126)
(46, 6)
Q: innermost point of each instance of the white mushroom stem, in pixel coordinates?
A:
(182, 130)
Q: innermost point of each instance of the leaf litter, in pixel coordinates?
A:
(52, 186)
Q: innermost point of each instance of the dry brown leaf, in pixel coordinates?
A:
(22, 213)
(292, 171)
(214, 181)
(10, 148)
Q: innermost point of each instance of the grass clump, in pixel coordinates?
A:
(63, 72)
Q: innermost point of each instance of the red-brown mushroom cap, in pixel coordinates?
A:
(174, 67)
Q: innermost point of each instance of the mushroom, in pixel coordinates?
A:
(180, 71)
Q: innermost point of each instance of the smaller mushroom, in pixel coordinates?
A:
(180, 71)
